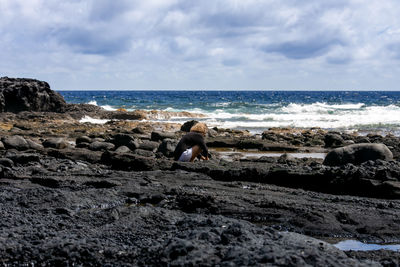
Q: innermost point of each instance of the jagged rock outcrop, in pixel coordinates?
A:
(20, 94)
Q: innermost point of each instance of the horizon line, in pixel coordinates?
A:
(242, 90)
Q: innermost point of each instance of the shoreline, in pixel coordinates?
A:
(173, 117)
(259, 111)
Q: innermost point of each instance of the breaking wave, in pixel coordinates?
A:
(260, 110)
(346, 116)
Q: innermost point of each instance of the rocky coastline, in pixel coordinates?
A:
(110, 194)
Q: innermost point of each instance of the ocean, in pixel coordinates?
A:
(257, 111)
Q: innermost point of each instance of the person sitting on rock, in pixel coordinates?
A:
(192, 144)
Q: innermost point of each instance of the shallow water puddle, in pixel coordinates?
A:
(229, 153)
(360, 246)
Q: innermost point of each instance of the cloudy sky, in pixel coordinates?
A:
(207, 44)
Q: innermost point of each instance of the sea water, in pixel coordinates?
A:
(257, 111)
(360, 246)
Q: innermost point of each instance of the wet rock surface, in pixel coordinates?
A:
(86, 194)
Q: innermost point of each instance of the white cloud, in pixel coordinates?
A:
(215, 44)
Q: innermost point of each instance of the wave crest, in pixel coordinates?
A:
(326, 116)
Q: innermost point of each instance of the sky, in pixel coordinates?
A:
(206, 45)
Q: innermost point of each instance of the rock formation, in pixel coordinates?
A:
(17, 94)
(358, 153)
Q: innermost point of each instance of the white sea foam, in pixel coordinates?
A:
(319, 114)
(319, 107)
(347, 106)
(109, 108)
(223, 104)
(93, 120)
(345, 116)
(106, 107)
(171, 109)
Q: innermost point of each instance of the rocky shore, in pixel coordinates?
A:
(110, 194)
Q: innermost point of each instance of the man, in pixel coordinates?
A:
(192, 144)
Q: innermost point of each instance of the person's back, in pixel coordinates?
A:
(192, 144)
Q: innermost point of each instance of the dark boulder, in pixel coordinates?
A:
(375, 138)
(167, 147)
(149, 145)
(83, 139)
(16, 142)
(101, 146)
(362, 139)
(286, 158)
(357, 154)
(34, 145)
(138, 130)
(125, 140)
(57, 142)
(142, 137)
(82, 145)
(127, 115)
(123, 149)
(333, 140)
(29, 95)
(159, 136)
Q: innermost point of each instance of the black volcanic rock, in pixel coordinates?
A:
(167, 147)
(333, 140)
(125, 140)
(357, 154)
(83, 108)
(69, 205)
(149, 145)
(58, 143)
(79, 214)
(16, 142)
(159, 136)
(20, 94)
(101, 146)
(127, 161)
